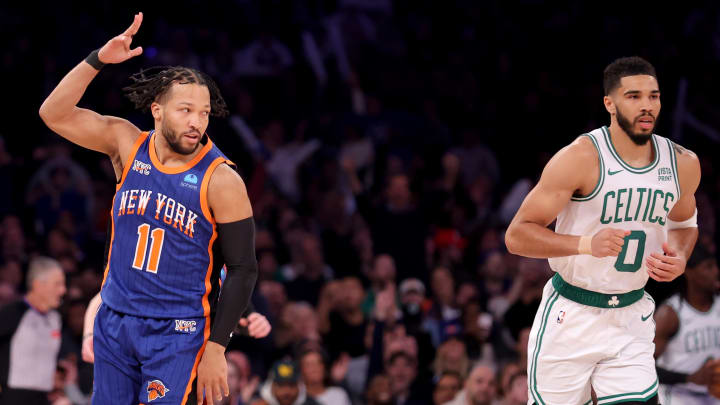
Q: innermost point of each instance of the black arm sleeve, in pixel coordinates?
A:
(237, 241)
(670, 377)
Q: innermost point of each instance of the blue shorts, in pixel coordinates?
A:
(146, 360)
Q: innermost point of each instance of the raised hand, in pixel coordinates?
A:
(118, 50)
(608, 242)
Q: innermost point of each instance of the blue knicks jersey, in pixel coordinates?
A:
(163, 260)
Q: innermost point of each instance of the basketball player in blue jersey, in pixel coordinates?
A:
(179, 214)
(623, 202)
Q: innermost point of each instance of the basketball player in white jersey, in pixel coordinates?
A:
(687, 340)
(624, 205)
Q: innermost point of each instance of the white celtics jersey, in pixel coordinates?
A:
(637, 199)
(697, 339)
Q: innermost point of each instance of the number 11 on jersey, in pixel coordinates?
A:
(157, 235)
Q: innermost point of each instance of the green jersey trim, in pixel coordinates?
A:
(595, 299)
(631, 169)
(673, 160)
(601, 178)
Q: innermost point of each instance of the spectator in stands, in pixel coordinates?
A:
(381, 275)
(444, 318)
(446, 388)
(308, 272)
(518, 390)
(342, 321)
(402, 370)
(283, 387)
(240, 382)
(480, 388)
(313, 363)
(379, 391)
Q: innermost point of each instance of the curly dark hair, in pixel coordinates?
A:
(150, 85)
(628, 66)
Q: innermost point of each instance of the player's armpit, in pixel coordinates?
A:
(666, 326)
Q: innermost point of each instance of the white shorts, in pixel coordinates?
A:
(573, 346)
(675, 395)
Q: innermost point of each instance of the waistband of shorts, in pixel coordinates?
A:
(595, 299)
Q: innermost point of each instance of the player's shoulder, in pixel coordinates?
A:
(225, 175)
(684, 156)
(581, 152)
(688, 168)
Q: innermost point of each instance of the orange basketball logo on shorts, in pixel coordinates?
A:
(156, 389)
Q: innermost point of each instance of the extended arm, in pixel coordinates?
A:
(84, 127)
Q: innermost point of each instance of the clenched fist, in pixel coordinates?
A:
(608, 242)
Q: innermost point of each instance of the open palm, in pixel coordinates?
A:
(118, 50)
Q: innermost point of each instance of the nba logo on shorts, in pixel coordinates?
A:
(561, 317)
(185, 326)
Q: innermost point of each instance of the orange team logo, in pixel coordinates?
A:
(156, 389)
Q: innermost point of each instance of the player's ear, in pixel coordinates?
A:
(156, 110)
(609, 104)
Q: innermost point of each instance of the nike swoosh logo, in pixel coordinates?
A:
(610, 172)
(645, 318)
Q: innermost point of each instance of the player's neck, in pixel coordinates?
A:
(630, 152)
(700, 300)
(169, 157)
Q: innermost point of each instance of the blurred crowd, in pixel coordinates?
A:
(385, 145)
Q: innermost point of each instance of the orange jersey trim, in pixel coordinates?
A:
(176, 169)
(205, 301)
(128, 163)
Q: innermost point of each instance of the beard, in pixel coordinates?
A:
(175, 142)
(627, 126)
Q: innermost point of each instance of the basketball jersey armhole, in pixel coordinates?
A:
(673, 161)
(204, 204)
(601, 174)
(131, 157)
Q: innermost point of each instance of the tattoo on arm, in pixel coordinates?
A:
(679, 149)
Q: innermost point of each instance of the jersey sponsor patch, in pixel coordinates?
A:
(665, 174)
(185, 326)
(156, 389)
(189, 181)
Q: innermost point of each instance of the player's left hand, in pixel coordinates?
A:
(258, 326)
(667, 266)
(212, 375)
